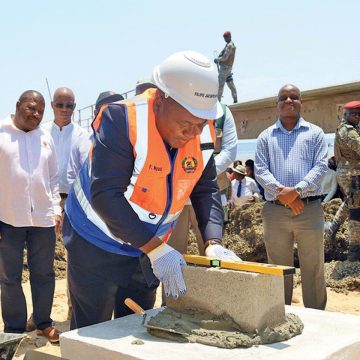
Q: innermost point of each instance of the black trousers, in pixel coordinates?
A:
(99, 281)
(40, 244)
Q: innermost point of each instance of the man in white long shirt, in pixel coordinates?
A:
(68, 137)
(225, 154)
(71, 141)
(244, 189)
(30, 214)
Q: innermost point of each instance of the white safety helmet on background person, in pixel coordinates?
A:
(191, 80)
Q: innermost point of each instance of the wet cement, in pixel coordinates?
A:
(204, 328)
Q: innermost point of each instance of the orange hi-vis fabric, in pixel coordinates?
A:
(160, 184)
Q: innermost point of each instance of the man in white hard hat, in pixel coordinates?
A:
(151, 154)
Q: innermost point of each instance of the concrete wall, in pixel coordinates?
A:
(320, 106)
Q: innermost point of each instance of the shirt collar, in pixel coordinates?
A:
(64, 128)
(300, 123)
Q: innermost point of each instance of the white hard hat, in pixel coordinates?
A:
(191, 80)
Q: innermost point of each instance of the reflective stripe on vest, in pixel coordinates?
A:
(85, 221)
(90, 212)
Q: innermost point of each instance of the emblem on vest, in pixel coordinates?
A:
(189, 164)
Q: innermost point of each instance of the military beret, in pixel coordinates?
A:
(352, 105)
(227, 33)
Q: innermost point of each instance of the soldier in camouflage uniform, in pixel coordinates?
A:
(225, 61)
(347, 153)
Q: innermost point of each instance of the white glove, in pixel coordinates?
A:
(217, 251)
(166, 263)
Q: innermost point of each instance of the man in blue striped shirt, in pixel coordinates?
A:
(290, 160)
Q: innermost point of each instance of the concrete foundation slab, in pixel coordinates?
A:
(254, 301)
(325, 335)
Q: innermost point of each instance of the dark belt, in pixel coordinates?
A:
(305, 200)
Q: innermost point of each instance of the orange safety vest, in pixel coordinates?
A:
(159, 185)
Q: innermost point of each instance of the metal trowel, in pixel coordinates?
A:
(136, 308)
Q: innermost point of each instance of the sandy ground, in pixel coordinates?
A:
(339, 302)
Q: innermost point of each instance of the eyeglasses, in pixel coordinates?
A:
(69, 106)
(293, 98)
(352, 113)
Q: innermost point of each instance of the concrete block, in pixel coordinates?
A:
(325, 335)
(254, 301)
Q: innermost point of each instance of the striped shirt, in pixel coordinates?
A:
(296, 158)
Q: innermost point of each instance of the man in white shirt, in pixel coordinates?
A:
(29, 215)
(243, 188)
(69, 138)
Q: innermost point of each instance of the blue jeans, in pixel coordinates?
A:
(40, 244)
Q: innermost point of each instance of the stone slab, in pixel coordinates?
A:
(254, 301)
(324, 336)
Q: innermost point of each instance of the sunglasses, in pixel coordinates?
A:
(352, 113)
(293, 98)
(69, 106)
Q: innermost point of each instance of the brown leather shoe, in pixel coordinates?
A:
(51, 333)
